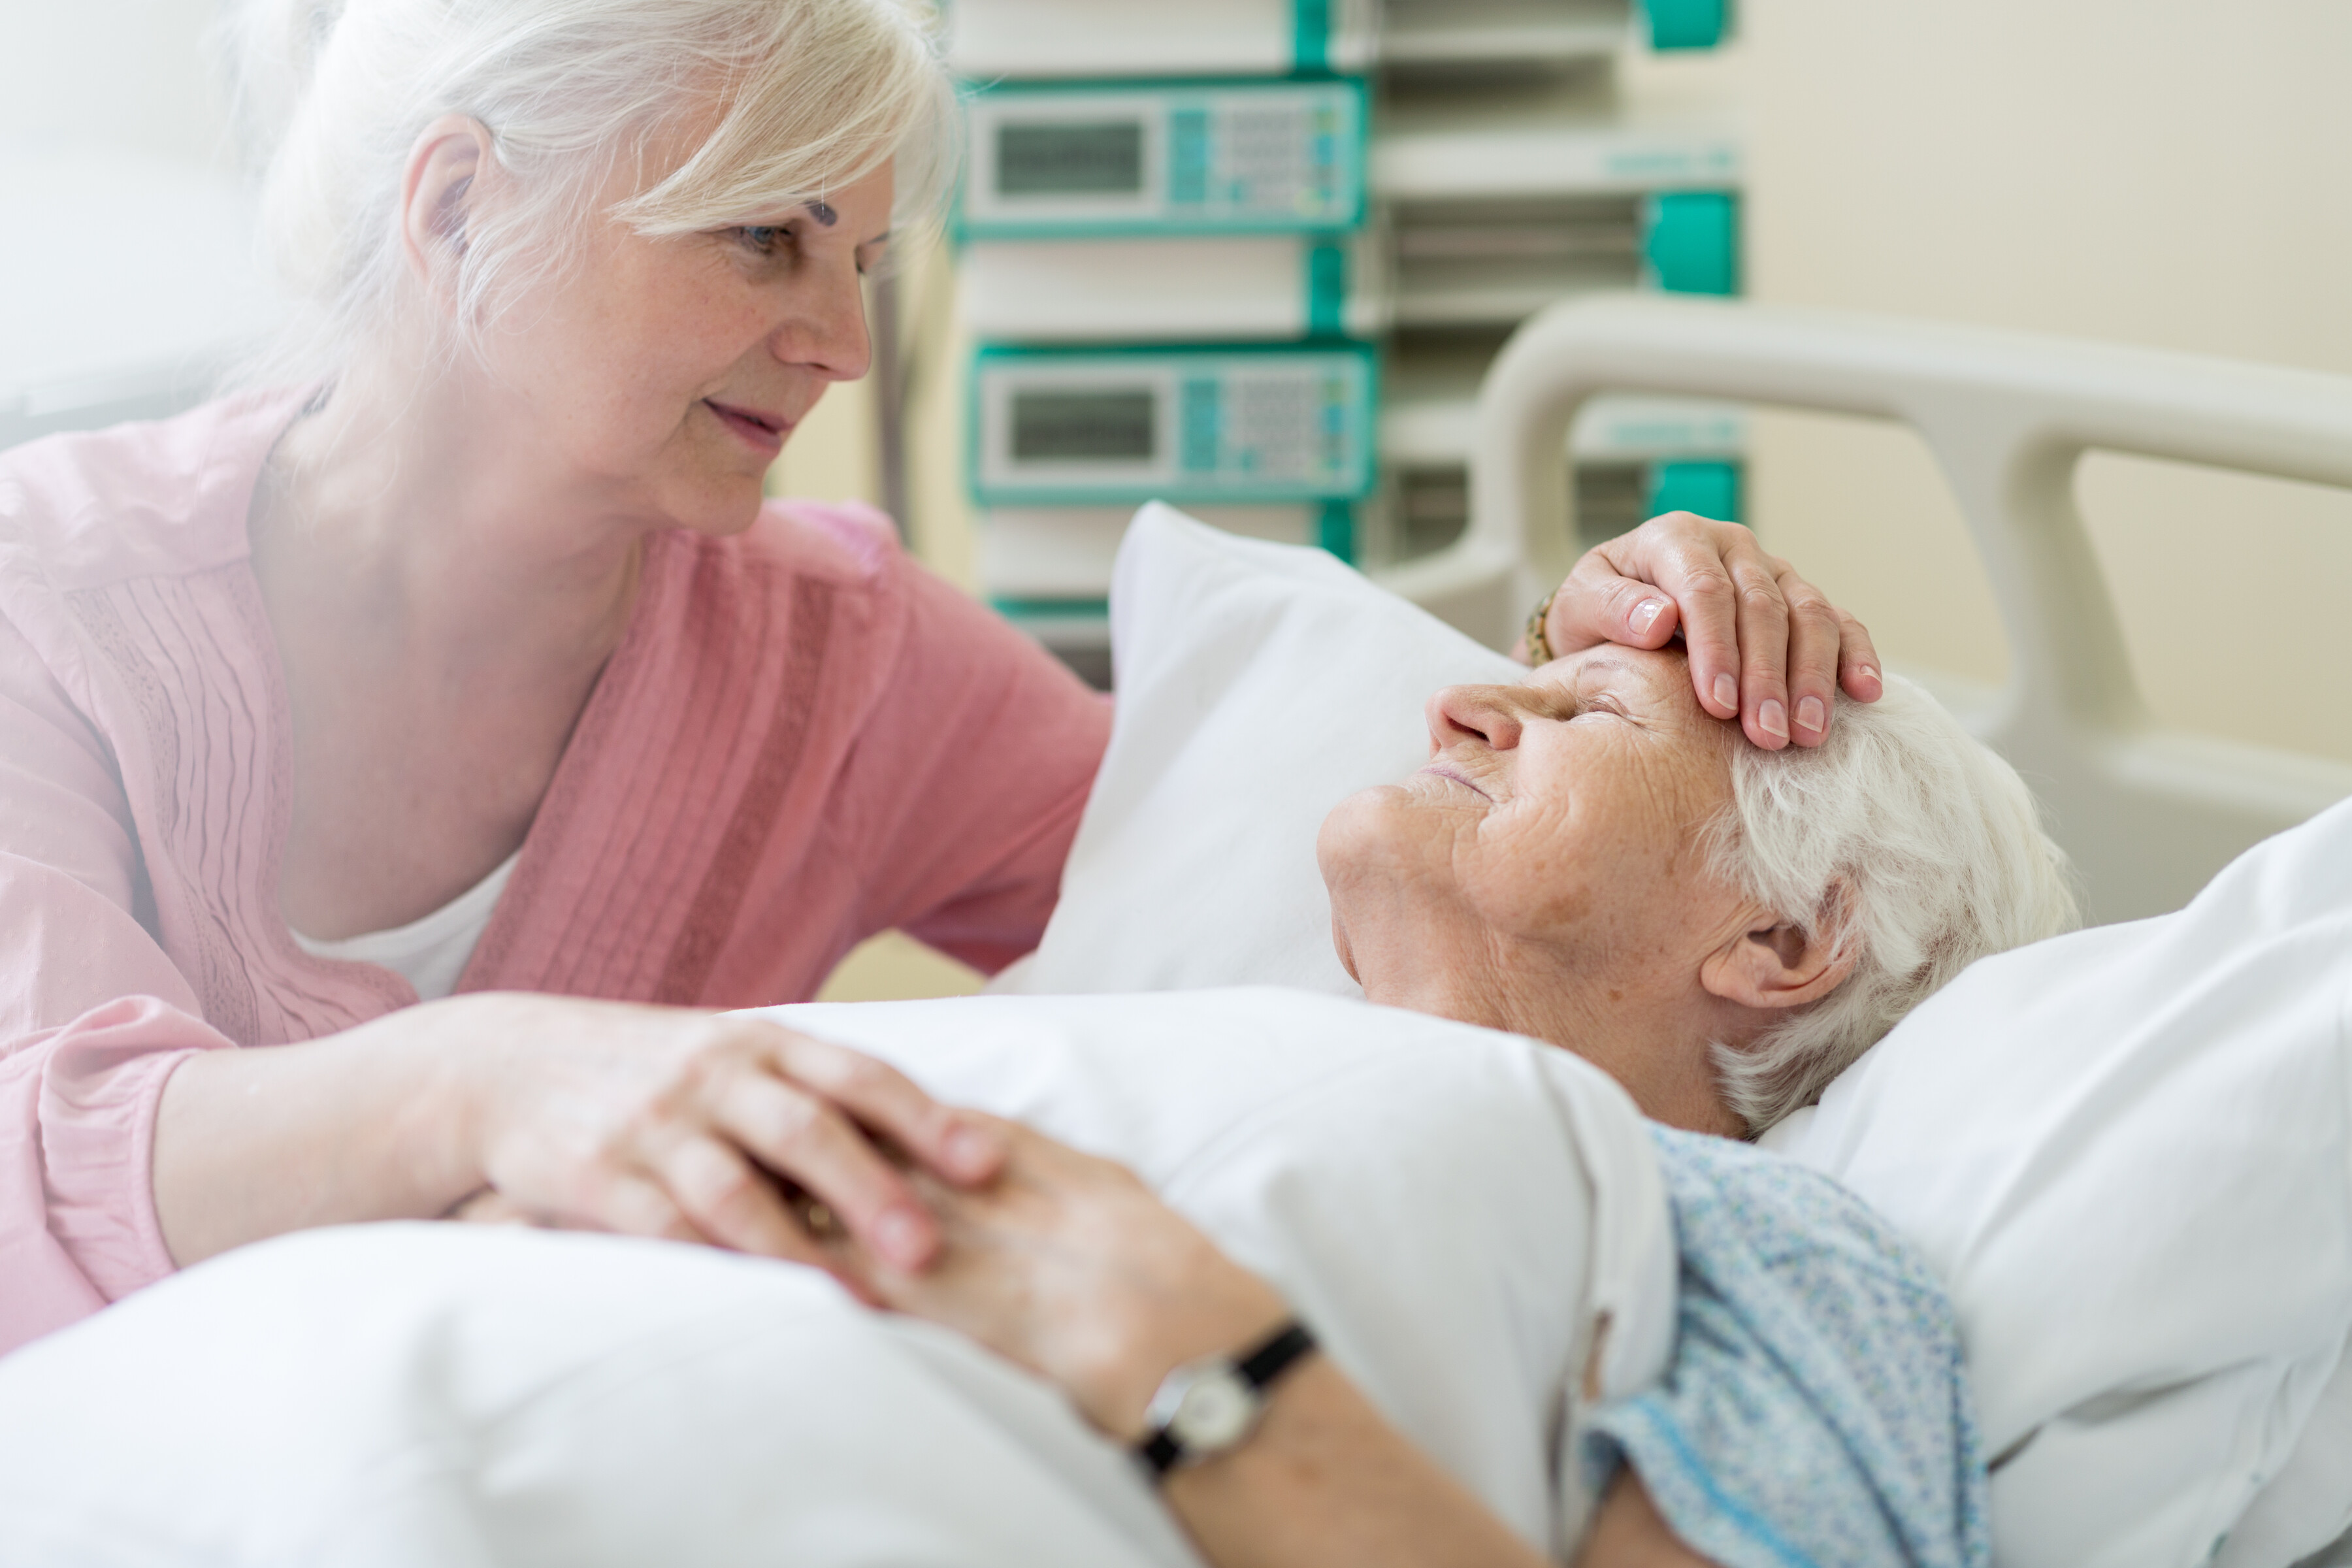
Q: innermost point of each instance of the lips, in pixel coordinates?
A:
(1442, 771)
(762, 432)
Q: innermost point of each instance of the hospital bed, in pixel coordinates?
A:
(2147, 815)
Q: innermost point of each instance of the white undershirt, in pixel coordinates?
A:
(430, 953)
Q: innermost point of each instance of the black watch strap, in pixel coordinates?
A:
(1275, 1353)
(1258, 1367)
(1159, 1453)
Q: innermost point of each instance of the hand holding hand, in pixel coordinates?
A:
(699, 1126)
(1766, 647)
(1071, 1267)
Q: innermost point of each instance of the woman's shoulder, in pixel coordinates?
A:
(163, 497)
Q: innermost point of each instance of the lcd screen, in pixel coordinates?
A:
(1069, 158)
(1108, 426)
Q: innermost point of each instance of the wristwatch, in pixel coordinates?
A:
(1207, 1406)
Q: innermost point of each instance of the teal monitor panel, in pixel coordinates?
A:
(1156, 158)
(1121, 425)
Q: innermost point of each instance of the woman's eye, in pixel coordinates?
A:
(763, 238)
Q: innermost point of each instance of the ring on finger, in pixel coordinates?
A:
(1538, 641)
(816, 1217)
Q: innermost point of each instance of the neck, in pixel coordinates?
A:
(1636, 1026)
(407, 515)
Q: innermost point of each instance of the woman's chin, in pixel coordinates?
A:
(1353, 830)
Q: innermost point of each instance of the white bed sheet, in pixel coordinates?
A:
(1451, 1208)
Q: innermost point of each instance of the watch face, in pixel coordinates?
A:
(1215, 1413)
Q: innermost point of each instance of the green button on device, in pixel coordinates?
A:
(1691, 241)
(1709, 489)
(1686, 24)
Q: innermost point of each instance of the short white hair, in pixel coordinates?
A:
(1900, 841)
(796, 97)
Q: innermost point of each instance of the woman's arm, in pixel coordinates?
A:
(648, 1121)
(1070, 1265)
(1765, 644)
(1326, 1482)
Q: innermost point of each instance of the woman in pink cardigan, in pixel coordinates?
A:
(477, 675)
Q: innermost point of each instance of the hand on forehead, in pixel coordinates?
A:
(1766, 647)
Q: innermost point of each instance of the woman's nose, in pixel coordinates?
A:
(830, 336)
(1484, 713)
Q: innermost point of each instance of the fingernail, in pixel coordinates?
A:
(1773, 718)
(1811, 715)
(1868, 674)
(1645, 616)
(1726, 692)
(970, 1149)
(902, 1237)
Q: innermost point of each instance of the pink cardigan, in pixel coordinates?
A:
(803, 739)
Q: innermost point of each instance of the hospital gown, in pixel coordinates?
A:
(1817, 1409)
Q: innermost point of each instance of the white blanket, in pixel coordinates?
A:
(1451, 1208)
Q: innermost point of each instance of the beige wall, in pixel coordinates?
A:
(2175, 173)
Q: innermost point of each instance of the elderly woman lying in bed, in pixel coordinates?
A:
(1590, 859)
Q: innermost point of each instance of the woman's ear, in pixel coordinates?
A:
(443, 177)
(1773, 964)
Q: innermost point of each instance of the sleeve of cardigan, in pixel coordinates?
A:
(979, 765)
(93, 1018)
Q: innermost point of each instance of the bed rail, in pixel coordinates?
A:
(2148, 814)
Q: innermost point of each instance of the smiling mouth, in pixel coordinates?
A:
(756, 429)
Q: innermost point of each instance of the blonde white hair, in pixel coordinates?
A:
(794, 98)
(1901, 841)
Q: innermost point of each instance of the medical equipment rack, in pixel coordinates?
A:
(1149, 187)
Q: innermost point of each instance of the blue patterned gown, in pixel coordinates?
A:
(1817, 1411)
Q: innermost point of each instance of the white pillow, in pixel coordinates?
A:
(1259, 685)
(1453, 1209)
(2129, 1152)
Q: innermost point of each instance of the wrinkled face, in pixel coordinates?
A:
(664, 375)
(1562, 813)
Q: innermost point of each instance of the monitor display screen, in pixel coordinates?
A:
(1109, 424)
(1069, 158)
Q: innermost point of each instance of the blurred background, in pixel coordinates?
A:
(1269, 288)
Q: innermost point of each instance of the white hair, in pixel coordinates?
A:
(794, 98)
(1901, 841)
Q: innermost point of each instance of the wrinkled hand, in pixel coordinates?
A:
(1071, 1267)
(1765, 647)
(700, 1127)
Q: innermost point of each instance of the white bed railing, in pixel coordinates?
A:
(2147, 814)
